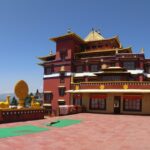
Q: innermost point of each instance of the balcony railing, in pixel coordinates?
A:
(112, 85)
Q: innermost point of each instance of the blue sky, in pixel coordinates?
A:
(26, 25)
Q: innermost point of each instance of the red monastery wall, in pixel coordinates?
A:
(52, 84)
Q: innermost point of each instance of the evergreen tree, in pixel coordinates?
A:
(14, 102)
(28, 101)
(31, 94)
(37, 94)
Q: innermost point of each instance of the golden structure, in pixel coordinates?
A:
(77, 87)
(125, 86)
(34, 104)
(6, 103)
(102, 87)
(21, 91)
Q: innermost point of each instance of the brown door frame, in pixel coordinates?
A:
(117, 104)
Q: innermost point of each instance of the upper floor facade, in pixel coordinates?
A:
(95, 59)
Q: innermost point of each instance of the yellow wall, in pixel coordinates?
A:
(110, 104)
(145, 106)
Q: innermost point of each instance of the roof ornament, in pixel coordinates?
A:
(51, 53)
(69, 30)
(93, 29)
(98, 31)
(142, 51)
(94, 35)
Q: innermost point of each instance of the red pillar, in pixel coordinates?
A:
(117, 64)
(141, 78)
(141, 65)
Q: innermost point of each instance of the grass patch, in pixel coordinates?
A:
(63, 123)
(20, 130)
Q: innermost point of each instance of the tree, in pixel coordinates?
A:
(14, 101)
(28, 101)
(31, 94)
(37, 94)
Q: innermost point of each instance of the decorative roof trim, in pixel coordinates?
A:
(72, 34)
(43, 58)
(104, 50)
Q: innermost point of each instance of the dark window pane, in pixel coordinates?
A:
(132, 105)
(129, 65)
(62, 91)
(47, 97)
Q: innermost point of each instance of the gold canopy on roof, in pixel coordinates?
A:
(94, 36)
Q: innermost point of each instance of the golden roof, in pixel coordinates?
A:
(47, 58)
(93, 36)
(71, 34)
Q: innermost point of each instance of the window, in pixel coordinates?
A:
(63, 54)
(47, 97)
(94, 47)
(132, 104)
(76, 80)
(94, 68)
(129, 65)
(61, 91)
(99, 46)
(148, 69)
(61, 102)
(111, 78)
(48, 70)
(62, 78)
(79, 69)
(98, 103)
(77, 99)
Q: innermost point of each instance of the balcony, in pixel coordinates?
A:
(112, 85)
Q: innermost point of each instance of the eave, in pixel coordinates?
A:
(107, 39)
(48, 57)
(105, 50)
(68, 35)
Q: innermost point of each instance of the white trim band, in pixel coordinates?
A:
(109, 91)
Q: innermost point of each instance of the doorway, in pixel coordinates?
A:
(117, 104)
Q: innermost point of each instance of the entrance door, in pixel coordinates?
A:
(117, 104)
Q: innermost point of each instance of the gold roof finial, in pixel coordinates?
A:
(51, 53)
(142, 51)
(94, 35)
(69, 30)
(98, 31)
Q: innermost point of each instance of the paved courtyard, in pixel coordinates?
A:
(95, 132)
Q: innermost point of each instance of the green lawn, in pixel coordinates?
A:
(20, 130)
(64, 123)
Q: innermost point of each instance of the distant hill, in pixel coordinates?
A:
(3, 96)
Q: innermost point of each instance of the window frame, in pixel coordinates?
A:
(98, 100)
(128, 65)
(111, 78)
(95, 66)
(46, 72)
(77, 100)
(48, 98)
(79, 70)
(63, 54)
(61, 91)
(132, 103)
